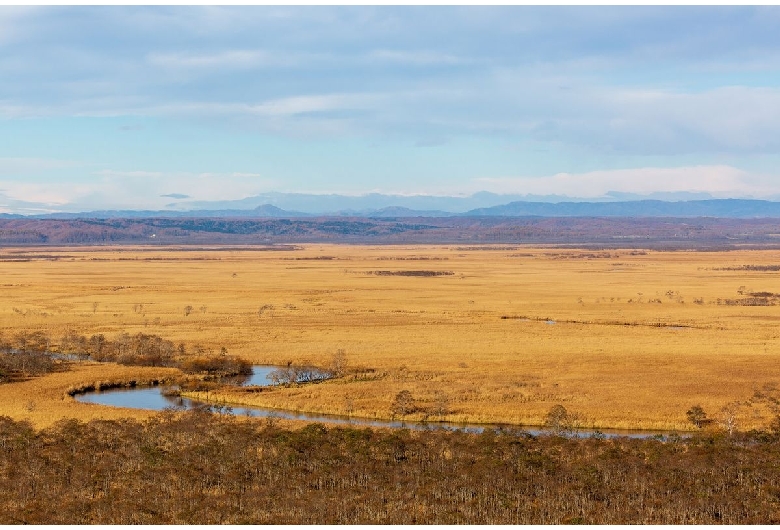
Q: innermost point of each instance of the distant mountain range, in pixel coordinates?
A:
(361, 205)
(396, 206)
(731, 208)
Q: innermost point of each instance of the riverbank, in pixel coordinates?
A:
(303, 399)
(46, 400)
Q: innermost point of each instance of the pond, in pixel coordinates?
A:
(153, 398)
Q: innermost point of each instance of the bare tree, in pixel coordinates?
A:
(403, 404)
(556, 419)
(728, 417)
(441, 405)
(339, 363)
(349, 406)
(561, 421)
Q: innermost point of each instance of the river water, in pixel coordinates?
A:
(152, 398)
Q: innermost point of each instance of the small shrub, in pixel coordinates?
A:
(403, 404)
(560, 421)
(697, 416)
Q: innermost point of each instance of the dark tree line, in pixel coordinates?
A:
(199, 468)
(25, 355)
(28, 354)
(24, 364)
(588, 231)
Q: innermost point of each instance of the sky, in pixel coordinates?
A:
(139, 107)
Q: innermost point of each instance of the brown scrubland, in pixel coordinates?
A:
(199, 468)
(628, 339)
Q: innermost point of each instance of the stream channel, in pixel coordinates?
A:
(152, 398)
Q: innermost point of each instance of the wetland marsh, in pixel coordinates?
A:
(639, 336)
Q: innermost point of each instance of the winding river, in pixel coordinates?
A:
(152, 398)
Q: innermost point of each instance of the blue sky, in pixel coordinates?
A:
(119, 107)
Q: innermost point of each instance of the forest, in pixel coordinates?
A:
(584, 232)
(203, 468)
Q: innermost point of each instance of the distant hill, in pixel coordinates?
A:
(263, 211)
(269, 210)
(725, 208)
(330, 204)
(399, 211)
(715, 208)
(465, 232)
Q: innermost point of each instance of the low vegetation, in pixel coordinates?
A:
(197, 468)
(752, 268)
(421, 274)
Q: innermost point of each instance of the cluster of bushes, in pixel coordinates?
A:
(34, 341)
(24, 364)
(24, 355)
(35, 353)
(751, 298)
(134, 350)
(223, 364)
(422, 274)
(753, 268)
(301, 374)
(291, 374)
(750, 301)
(199, 468)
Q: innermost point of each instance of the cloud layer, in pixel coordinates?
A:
(585, 98)
(642, 80)
(718, 181)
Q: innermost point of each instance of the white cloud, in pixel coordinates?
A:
(316, 103)
(131, 190)
(44, 195)
(606, 83)
(239, 59)
(12, 167)
(110, 173)
(144, 188)
(564, 111)
(15, 21)
(727, 119)
(720, 181)
(416, 57)
(229, 59)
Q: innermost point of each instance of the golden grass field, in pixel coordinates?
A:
(637, 339)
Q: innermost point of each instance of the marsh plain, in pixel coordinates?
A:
(626, 339)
